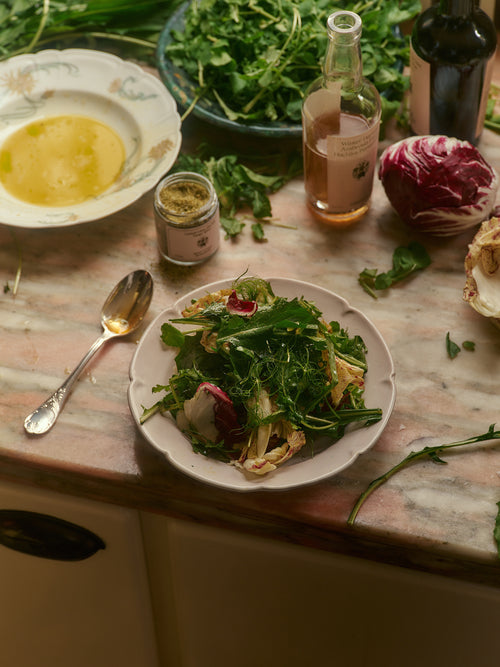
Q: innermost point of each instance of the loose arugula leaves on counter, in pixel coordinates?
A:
(239, 187)
(434, 453)
(255, 59)
(28, 25)
(405, 261)
(453, 349)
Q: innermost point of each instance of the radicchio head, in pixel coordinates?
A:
(438, 184)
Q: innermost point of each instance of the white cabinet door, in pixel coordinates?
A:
(234, 600)
(93, 612)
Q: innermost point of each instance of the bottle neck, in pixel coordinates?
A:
(457, 7)
(343, 57)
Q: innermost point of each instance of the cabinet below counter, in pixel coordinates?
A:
(163, 592)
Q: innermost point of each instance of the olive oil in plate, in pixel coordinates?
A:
(61, 160)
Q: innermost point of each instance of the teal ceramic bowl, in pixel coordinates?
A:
(183, 90)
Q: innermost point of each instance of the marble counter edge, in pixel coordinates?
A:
(358, 542)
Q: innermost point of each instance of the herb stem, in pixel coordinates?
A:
(431, 452)
(19, 264)
(43, 21)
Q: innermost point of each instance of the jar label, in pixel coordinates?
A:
(351, 160)
(192, 244)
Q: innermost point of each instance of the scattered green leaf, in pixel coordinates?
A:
(405, 261)
(451, 348)
(469, 345)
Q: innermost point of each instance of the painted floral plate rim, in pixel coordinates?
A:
(153, 363)
(102, 86)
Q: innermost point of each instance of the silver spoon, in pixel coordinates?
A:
(123, 311)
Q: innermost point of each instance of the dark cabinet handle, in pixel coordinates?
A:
(47, 536)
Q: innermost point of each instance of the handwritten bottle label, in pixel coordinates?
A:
(351, 163)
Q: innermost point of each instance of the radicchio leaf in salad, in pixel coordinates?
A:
(437, 184)
(258, 376)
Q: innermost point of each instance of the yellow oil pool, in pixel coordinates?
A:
(61, 160)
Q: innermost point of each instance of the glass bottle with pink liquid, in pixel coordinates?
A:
(340, 128)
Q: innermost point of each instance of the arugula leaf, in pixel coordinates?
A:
(405, 261)
(170, 335)
(452, 348)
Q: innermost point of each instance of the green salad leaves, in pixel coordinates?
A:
(285, 372)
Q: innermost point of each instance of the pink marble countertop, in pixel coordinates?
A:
(438, 518)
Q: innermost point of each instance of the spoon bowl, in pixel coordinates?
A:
(121, 314)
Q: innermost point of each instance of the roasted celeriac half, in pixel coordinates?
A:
(259, 376)
(482, 270)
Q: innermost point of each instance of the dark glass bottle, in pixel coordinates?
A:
(452, 47)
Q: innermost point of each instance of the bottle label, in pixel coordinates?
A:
(485, 93)
(420, 94)
(191, 244)
(350, 167)
(420, 99)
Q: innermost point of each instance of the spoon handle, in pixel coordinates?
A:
(44, 417)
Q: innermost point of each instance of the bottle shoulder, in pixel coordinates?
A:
(454, 39)
(363, 88)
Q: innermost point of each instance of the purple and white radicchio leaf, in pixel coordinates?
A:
(237, 306)
(210, 412)
(437, 184)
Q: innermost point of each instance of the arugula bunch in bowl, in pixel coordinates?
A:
(254, 60)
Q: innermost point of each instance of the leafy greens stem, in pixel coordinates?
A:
(43, 21)
(258, 10)
(431, 452)
(296, 25)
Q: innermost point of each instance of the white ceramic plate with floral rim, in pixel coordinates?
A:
(134, 103)
(153, 363)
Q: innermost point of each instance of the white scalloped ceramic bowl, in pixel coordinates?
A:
(153, 364)
(106, 88)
